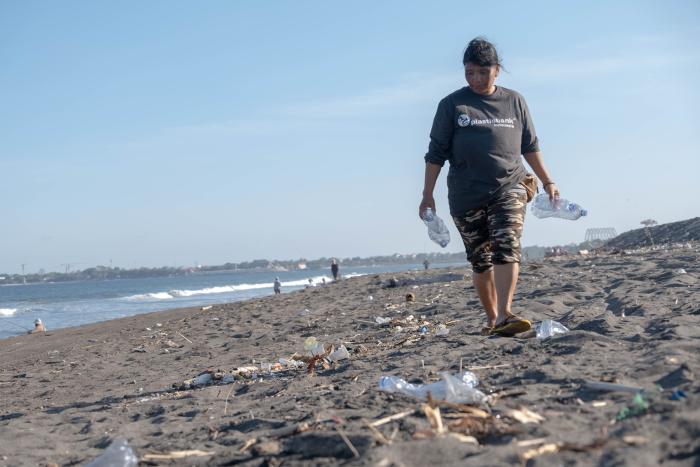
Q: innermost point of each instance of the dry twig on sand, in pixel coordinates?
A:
(525, 415)
(391, 418)
(505, 393)
(434, 417)
(551, 448)
(177, 455)
(184, 337)
(226, 402)
(347, 441)
(488, 367)
(378, 436)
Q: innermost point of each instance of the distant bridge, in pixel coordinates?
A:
(605, 233)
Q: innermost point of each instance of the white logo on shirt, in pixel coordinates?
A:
(463, 120)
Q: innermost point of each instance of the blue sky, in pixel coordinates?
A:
(169, 133)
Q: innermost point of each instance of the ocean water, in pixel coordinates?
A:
(65, 304)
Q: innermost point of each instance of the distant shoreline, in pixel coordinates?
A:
(101, 273)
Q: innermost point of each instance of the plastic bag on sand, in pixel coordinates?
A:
(459, 389)
(313, 346)
(548, 328)
(291, 363)
(118, 454)
(341, 353)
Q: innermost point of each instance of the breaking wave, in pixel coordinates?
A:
(7, 311)
(171, 294)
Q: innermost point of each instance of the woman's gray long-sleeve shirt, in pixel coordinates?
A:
(483, 138)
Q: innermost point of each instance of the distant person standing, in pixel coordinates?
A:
(426, 264)
(334, 269)
(277, 286)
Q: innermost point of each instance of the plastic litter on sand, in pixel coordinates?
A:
(459, 389)
(118, 454)
(548, 328)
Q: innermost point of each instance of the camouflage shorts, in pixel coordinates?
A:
(491, 233)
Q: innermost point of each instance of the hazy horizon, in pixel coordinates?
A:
(167, 133)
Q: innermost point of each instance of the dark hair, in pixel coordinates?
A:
(481, 52)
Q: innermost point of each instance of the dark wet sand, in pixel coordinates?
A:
(634, 319)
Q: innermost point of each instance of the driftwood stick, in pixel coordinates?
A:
(377, 434)
(227, 395)
(488, 367)
(391, 418)
(286, 431)
(347, 441)
(184, 337)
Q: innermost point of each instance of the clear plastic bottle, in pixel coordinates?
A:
(118, 454)
(542, 207)
(459, 388)
(437, 230)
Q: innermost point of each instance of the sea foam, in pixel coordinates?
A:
(316, 280)
(7, 311)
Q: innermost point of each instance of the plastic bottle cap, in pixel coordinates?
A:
(584, 212)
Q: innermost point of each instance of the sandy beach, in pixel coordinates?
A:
(633, 318)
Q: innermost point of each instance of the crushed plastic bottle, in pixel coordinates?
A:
(203, 379)
(442, 330)
(118, 454)
(437, 230)
(542, 207)
(459, 389)
(341, 353)
(548, 328)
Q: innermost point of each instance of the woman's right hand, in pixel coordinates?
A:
(427, 202)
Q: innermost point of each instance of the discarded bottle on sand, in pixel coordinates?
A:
(118, 454)
(341, 353)
(542, 207)
(459, 389)
(437, 230)
(548, 328)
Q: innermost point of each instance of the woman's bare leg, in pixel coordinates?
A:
(505, 277)
(486, 290)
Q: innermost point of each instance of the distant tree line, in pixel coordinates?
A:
(107, 273)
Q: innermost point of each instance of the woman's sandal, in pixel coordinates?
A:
(511, 326)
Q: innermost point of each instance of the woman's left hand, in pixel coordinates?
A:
(552, 191)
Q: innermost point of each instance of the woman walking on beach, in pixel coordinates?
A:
(482, 129)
